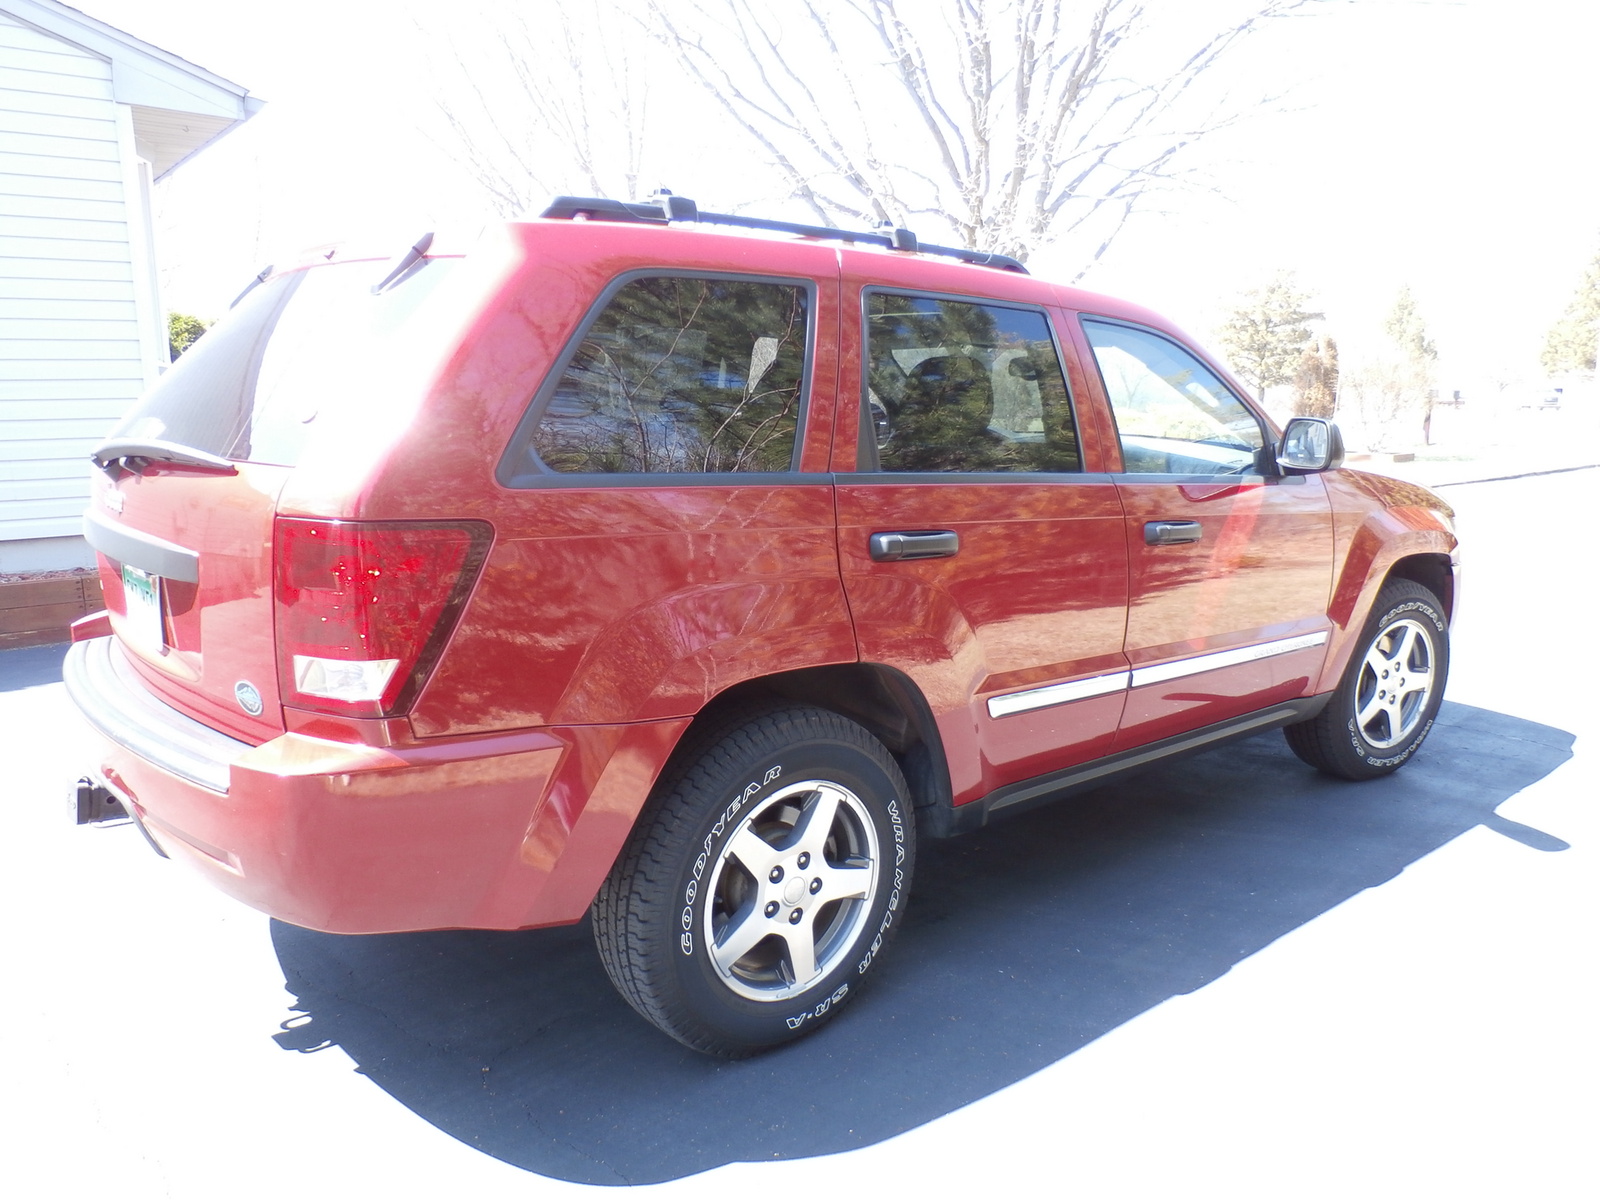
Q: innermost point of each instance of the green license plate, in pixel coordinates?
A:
(141, 594)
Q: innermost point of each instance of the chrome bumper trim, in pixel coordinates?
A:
(115, 701)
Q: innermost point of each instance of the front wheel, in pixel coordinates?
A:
(1390, 694)
(762, 882)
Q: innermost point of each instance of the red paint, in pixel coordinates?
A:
(608, 613)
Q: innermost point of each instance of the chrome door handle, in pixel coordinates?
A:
(923, 543)
(1171, 533)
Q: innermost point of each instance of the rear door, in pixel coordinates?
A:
(665, 524)
(1230, 562)
(979, 557)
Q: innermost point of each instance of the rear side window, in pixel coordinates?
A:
(289, 351)
(955, 385)
(682, 374)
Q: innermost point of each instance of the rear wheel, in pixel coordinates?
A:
(1391, 691)
(761, 884)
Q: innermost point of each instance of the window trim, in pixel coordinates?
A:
(520, 466)
(1268, 441)
(867, 463)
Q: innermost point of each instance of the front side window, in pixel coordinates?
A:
(954, 385)
(1174, 416)
(682, 374)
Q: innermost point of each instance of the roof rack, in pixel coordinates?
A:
(663, 208)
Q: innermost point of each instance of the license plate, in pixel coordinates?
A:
(141, 593)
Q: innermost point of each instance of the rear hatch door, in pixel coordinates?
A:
(183, 506)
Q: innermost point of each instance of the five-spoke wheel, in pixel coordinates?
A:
(762, 883)
(1390, 694)
(791, 890)
(1395, 683)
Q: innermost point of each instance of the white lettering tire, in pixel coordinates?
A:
(762, 882)
(1391, 691)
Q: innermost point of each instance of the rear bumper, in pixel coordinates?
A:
(502, 831)
(109, 694)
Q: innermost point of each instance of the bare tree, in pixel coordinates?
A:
(1386, 396)
(1013, 123)
(1393, 394)
(538, 99)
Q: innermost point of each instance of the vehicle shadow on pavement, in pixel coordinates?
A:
(1022, 943)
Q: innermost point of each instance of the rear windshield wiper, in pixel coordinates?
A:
(134, 454)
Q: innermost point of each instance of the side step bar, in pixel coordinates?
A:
(941, 821)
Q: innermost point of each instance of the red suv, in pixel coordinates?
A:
(683, 576)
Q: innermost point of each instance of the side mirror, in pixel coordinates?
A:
(1311, 444)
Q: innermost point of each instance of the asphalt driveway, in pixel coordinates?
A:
(1229, 975)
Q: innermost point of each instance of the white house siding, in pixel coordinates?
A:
(70, 351)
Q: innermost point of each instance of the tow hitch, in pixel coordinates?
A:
(96, 805)
(99, 805)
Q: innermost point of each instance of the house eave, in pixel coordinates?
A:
(178, 107)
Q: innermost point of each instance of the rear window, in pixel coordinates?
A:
(292, 350)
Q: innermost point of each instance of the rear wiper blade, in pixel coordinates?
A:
(261, 277)
(133, 453)
(403, 264)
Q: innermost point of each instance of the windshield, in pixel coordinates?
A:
(253, 387)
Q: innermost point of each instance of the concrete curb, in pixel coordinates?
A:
(1517, 475)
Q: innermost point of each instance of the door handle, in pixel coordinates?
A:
(1171, 533)
(925, 543)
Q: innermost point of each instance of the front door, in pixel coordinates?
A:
(1230, 562)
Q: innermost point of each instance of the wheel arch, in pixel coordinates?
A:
(1427, 561)
(879, 698)
(1433, 571)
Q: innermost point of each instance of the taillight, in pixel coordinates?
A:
(362, 609)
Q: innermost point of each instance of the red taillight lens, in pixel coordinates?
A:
(362, 609)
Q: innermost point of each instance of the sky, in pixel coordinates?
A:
(1444, 145)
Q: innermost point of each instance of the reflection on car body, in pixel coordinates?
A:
(632, 568)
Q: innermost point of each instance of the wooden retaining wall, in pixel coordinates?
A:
(38, 611)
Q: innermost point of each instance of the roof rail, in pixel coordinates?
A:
(664, 208)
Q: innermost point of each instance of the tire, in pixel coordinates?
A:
(762, 882)
(1391, 691)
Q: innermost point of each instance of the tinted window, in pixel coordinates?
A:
(1174, 416)
(682, 375)
(332, 348)
(958, 386)
(205, 399)
(251, 388)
